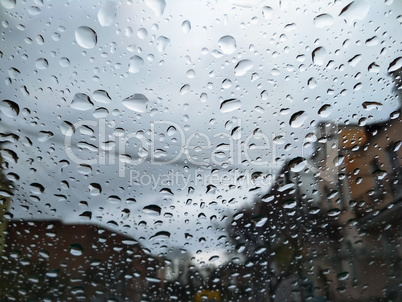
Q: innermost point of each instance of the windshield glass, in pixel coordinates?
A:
(200, 150)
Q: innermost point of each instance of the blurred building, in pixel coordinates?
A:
(329, 229)
(369, 198)
(5, 198)
(62, 262)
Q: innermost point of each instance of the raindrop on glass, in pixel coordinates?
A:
(107, 14)
(323, 20)
(135, 65)
(76, 249)
(41, 63)
(318, 56)
(9, 108)
(186, 26)
(227, 44)
(137, 102)
(86, 37)
(157, 6)
(230, 105)
(242, 67)
(81, 102)
(297, 119)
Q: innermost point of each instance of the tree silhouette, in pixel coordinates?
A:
(275, 235)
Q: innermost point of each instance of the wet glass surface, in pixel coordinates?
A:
(200, 150)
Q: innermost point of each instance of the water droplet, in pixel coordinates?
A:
(85, 145)
(135, 65)
(34, 10)
(343, 276)
(373, 67)
(319, 55)
(101, 113)
(395, 114)
(9, 156)
(142, 33)
(9, 108)
(230, 105)
(107, 14)
(237, 216)
(108, 145)
(36, 188)
(125, 214)
(53, 273)
(260, 250)
(86, 37)
(101, 96)
(227, 44)
(87, 215)
(161, 43)
(353, 61)
(267, 12)
(314, 210)
(289, 204)
(114, 199)
(362, 122)
(323, 20)
(338, 160)
(264, 95)
(128, 31)
(95, 189)
(44, 136)
(297, 164)
(242, 67)
(81, 102)
(152, 210)
(76, 249)
(8, 4)
(371, 105)
(84, 169)
(240, 248)
(259, 221)
(325, 110)
(41, 63)
(356, 10)
(190, 73)
(186, 26)
(171, 131)
(157, 6)
(213, 258)
(6, 193)
(297, 119)
(129, 242)
(137, 102)
(312, 83)
(13, 73)
(333, 212)
(379, 174)
(185, 89)
(44, 254)
(113, 223)
(160, 236)
(203, 97)
(212, 190)
(64, 62)
(395, 65)
(226, 84)
(152, 280)
(236, 133)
